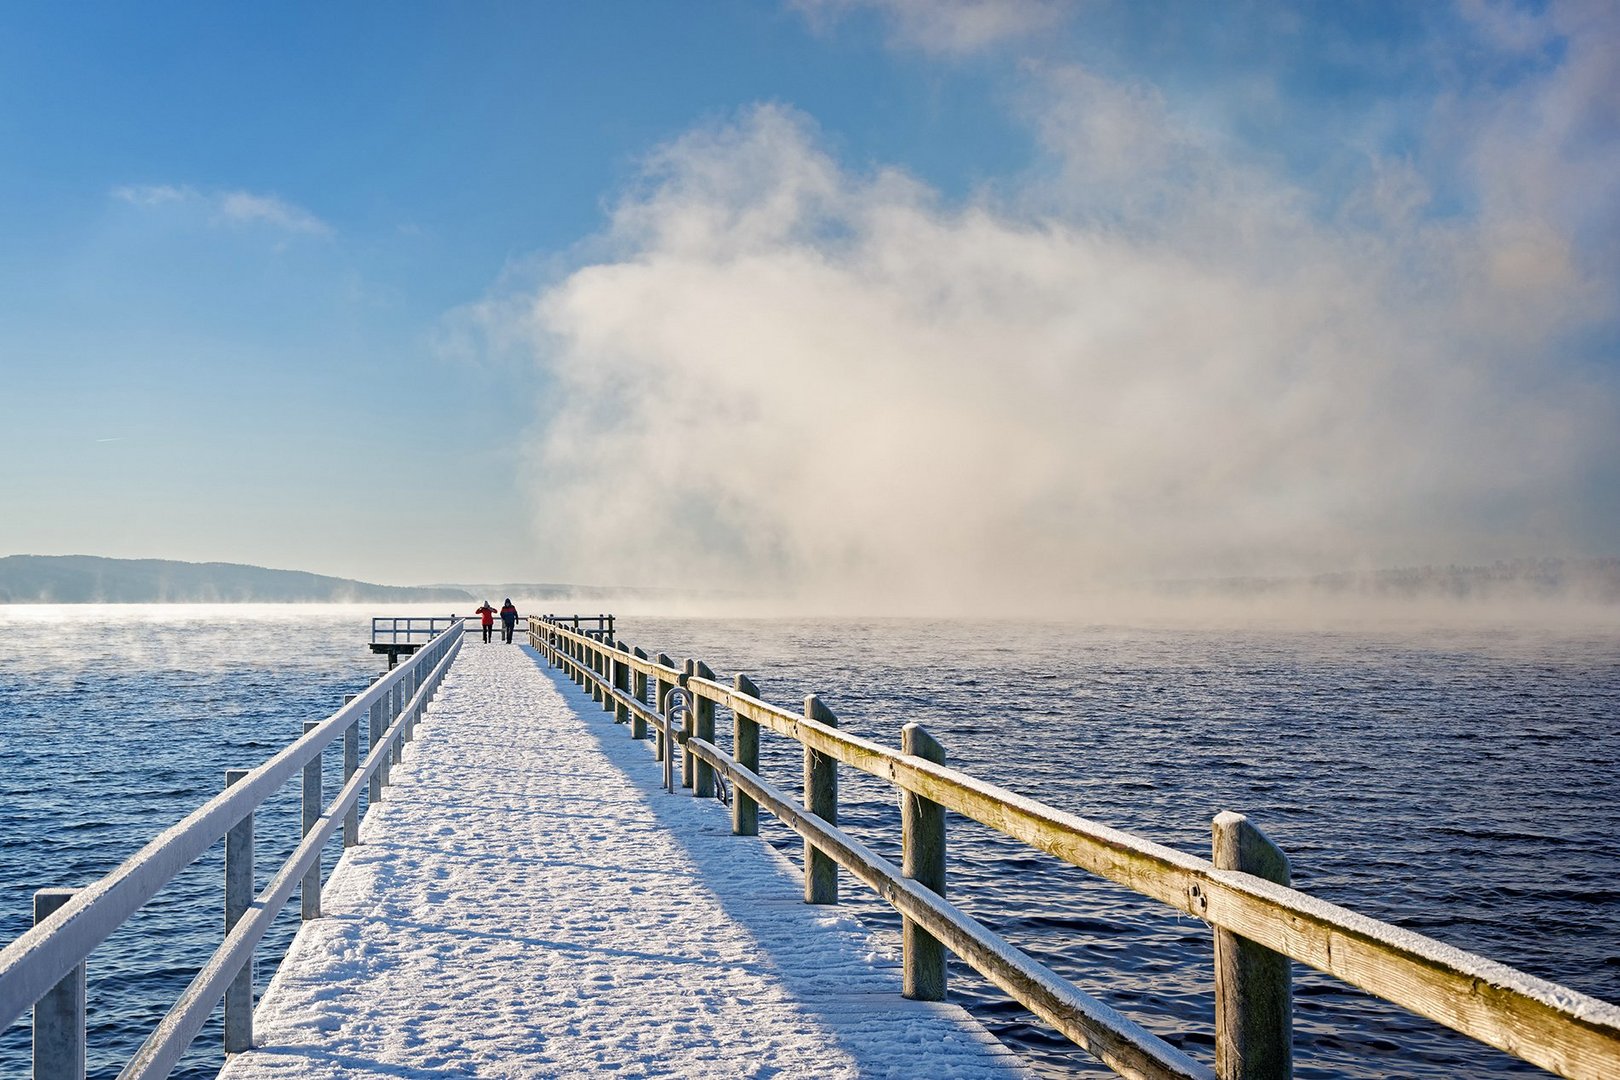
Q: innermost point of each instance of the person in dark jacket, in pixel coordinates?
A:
(487, 613)
(508, 620)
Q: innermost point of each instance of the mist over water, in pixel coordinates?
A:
(1457, 777)
(1156, 348)
(117, 721)
(793, 376)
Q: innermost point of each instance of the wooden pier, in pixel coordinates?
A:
(1259, 924)
(528, 901)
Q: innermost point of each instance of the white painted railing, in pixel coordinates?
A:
(409, 629)
(44, 968)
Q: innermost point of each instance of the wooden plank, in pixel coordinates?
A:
(1254, 1007)
(1551, 1026)
(621, 683)
(688, 762)
(703, 728)
(1123, 1045)
(745, 751)
(638, 723)
(652, 669)
(820, 799)
(60, 1034)
(1558, 1029)
(922, 846)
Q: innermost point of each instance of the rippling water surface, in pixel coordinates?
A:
(1460, 781)
(116, 722)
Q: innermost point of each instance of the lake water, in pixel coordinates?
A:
(1457, 779)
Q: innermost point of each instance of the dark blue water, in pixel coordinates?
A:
(114, 724)
(1459, 781)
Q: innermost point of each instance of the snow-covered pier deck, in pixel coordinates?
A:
(527, 901)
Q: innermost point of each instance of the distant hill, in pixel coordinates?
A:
(90, 579)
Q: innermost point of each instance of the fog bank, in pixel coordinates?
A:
(1151, 358)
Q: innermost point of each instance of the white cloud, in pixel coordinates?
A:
(951, 27)
(244, 207)
(1155, 358)
(154, 194)
(228, 208)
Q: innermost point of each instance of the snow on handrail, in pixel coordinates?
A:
(41, 957)
(408, 629)
(1559, 1029)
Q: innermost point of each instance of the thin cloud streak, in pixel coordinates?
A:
(228, 208)
(950, 27)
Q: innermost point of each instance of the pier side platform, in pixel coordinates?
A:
(529, 902)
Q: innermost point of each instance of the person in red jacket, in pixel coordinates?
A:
(488, 615)
(508, 620)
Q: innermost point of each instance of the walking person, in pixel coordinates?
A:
(508, 620)
(487, 613)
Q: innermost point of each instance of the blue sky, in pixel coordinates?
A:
(380, 290)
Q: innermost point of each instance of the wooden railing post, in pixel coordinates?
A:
(703, 728)
(310, 891)
(621, 683)
(351, 765)
(661, 743)
(922, 840)
(638, 723)
(610, 679)
(745, 752)
(599, 664)
(374, 729)
(238, 896)
(59, 1016)
(396, 748)
(688, 762)
(424, 677)
(1254, 1022)
(821, 799)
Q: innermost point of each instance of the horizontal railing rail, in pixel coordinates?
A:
(1558, 1029)
(409, 629)
(595, 627)
(53, 953)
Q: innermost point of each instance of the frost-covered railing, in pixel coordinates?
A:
(408, 629)
(1259, 922)
(596, 627)
(45, 967)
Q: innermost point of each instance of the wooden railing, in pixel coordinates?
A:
(45, 967)
(408, 629)
(1259, 923)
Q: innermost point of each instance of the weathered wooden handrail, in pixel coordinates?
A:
(62, 941)
(1125, 1046)
(1551, 1026)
